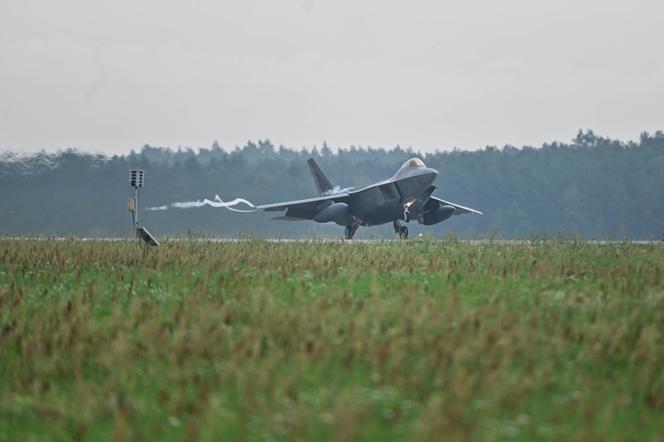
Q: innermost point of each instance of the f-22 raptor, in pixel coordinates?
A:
(407, 196)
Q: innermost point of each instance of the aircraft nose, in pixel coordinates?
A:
(431, 173)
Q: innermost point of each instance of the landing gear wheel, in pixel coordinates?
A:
(349, 232)
(352, 228)
(403, 232)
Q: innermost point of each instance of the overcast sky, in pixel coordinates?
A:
(109, 76)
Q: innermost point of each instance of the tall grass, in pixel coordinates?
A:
(330, 341)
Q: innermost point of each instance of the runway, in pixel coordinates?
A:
(370, 241)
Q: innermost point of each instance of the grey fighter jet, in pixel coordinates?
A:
(407, 196)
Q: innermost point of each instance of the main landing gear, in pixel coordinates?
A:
(401, 230)
(351, 229)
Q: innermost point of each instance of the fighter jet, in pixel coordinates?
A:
(407, 196)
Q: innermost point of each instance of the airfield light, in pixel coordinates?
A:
(136, 177)
(136, 180)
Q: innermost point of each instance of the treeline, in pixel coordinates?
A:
(593, 186)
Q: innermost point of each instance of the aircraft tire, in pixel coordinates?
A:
(403, 232)
(349, 232)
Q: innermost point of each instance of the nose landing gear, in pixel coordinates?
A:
(403, 234)
(401, 230)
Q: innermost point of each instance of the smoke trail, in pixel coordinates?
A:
(218, 202)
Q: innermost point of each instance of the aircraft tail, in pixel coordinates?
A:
(323, 185)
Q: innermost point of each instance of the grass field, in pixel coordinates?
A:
(417, 340)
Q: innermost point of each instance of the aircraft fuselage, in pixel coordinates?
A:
(384, 202)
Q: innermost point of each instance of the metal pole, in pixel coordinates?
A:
(136, 208)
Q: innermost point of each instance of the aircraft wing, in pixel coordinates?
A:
(303, 209)
(458, 209)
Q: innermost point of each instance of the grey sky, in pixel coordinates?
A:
(113, 75)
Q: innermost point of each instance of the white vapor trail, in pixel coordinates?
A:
(218, 202)
(336, 190)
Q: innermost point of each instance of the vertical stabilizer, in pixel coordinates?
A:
(322, 183)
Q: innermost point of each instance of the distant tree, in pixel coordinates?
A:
(595, 187)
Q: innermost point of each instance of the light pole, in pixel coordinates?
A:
(136, 180)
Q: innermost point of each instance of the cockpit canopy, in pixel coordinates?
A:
(413, 162)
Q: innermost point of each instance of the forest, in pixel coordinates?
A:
(590, 187)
